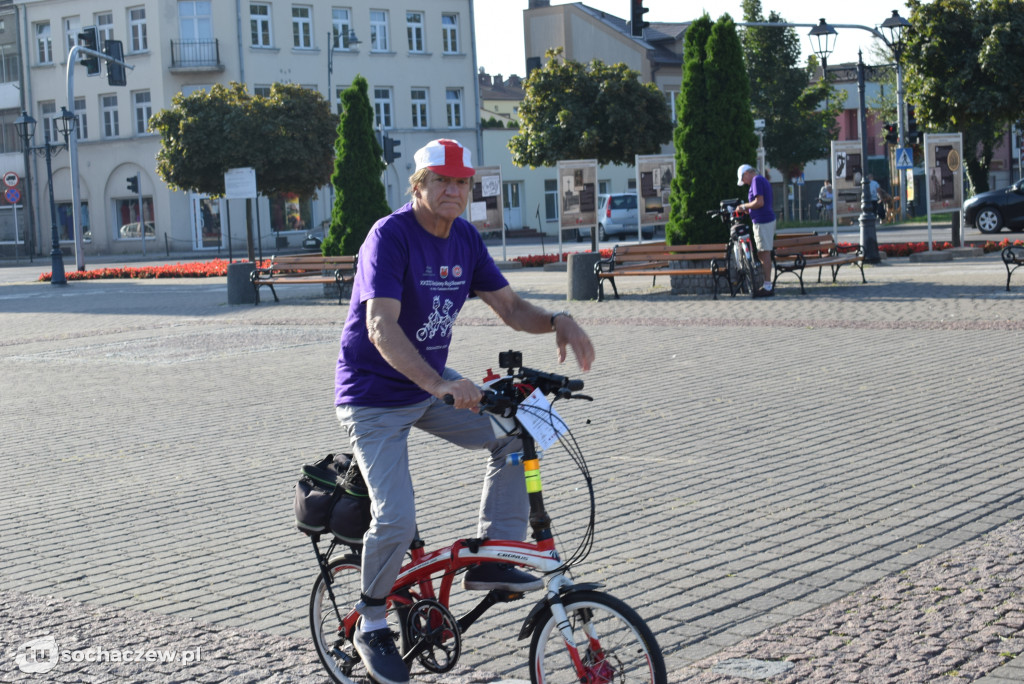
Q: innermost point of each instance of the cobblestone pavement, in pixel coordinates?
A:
(830, 480)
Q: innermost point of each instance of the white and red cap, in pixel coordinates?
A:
(446, 158)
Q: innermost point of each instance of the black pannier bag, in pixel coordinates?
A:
(331, 496)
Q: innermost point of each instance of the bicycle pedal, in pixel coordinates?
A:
(505, 596)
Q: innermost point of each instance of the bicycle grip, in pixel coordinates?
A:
(448, 399)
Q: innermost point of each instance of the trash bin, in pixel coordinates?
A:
(582, 279)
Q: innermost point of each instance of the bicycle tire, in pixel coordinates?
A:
(736, 273)
(629, 651)
(752, 271)
(336, 653)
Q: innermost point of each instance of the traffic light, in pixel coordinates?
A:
(913, 135)
(115, 72)
(891, 133)
(636, 17)
(390, 151)
(87, 39)
(133, 184)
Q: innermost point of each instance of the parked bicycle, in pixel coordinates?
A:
(577, 633)
(745, 272)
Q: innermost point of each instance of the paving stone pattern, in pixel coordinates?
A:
(831, 479)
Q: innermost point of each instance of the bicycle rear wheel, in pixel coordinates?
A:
(332, 647)
(614, 644)
(753, 272)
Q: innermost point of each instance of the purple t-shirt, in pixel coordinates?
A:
(432, 277)
(760, 186)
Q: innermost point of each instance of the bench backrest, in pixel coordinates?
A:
(312, 262)
(660, 251)
(787, 245)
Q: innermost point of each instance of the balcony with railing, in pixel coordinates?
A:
(195, 55)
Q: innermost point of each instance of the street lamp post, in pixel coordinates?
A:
(335, 39)
(822, 37)
(26, 126)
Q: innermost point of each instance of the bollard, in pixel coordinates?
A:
(957, 241)
(240, 289)
(581, 276)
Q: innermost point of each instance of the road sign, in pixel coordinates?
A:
(11, 179)
(904, 158)
(12, 195)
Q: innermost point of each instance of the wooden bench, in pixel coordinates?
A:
(655, 259)
(1012, 256)
(304, 268)
(794, 253)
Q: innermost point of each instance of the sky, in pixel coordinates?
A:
(499, 24)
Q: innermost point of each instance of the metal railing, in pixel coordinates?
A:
(195, 53)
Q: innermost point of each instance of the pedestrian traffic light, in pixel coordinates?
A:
(133, 184)
(87, 39)
(913, 135)
(115, 71)
(891, 133)
(390, 151)
(636, 17)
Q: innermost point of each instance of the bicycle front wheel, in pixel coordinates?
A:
(613, 644)
(753, 271)
(334, 650)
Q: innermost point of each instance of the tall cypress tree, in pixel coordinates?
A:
(714, 132)
(359, 194)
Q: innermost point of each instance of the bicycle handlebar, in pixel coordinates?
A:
(507, 393)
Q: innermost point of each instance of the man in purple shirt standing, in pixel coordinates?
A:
(416, 269)
(759, 206)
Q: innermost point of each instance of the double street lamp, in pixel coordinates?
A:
(823, 42)
(26, 126)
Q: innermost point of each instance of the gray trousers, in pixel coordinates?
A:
(379, 440)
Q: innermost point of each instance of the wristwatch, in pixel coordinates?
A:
(556, 315)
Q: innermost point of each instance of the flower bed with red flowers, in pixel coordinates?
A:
(540, 260)
(196, 269)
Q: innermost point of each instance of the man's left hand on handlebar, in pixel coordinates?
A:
(465, 393)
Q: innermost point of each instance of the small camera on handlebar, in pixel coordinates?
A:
(510, 359)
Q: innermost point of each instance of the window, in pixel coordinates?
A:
(302, 27)
(104, 28)
(261, 91)
(108, 106)
(10, 67)
(143, 110)
(126, 216)
(414, 27)
(81, 120)
(453, 102)
(670, 99)
(138, 40)
(44, 46)
(66, 221)
(551, 200)
(289, 211)
(72, 27)
(194, 20)
(341, 25)
(259, 25)
(419, 108)
(382, 107)
(450, 33)
(338, 90)
(48, 125)
(378, 31)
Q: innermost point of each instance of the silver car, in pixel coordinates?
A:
(617, 217)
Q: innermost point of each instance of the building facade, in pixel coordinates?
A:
(419, 64)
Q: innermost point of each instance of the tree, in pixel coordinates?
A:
(800, 116)
(205, 134)
(714, 132)
(360, 198)
(596, 111)
(965, 73)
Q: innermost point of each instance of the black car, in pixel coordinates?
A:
(990, 211)
(314, 239)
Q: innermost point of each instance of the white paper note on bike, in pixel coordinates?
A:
(541, 420)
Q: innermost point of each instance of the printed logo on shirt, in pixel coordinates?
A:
(457, 271)
(444, 271)
(439, 322)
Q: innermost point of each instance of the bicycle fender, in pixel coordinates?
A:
(531, 620)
